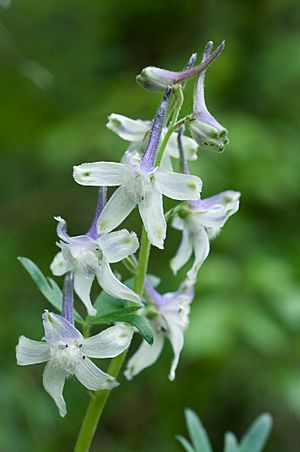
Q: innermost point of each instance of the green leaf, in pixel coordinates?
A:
(111, 316)
(125, 314)
(185, 444)
(107, 304)
(111, 310)
(231, 443)
(142, 324)
(255, 438)
(197, 432)
(47, 286)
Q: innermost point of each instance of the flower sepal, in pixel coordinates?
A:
(210, 136)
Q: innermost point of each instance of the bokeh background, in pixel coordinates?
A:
(65, 66)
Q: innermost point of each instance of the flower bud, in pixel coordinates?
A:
(204, 128)
(209, 134)
(157, 79)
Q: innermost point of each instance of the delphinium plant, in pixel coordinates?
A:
(145, 174)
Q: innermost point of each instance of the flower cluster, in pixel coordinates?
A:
(142, 178)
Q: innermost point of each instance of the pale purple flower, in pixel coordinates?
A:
(169, 319)
(201, 222)
(140, 184)
(88, 257)
(138, 187)
(66, 352)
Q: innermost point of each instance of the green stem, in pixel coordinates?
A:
(99, 398)
(142, 266)
(95, 408)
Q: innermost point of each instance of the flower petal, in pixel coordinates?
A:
(127, 128)
(115, 211)
(166, 163)
(184, 252)
(178, 186)
(214, 211)
(82, 287)
(178, 223)
(31, 352)
(93, 378)
(100, 174)
(189, 145)
(109, 343)
(176, 337)
(151, 211)
(113, 286)
(145, 356)
(53, 381)
(118, 245)
(57, 328)
(60, 265)
(201, 249)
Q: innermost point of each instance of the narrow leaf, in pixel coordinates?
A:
(47, 286)
(185, 444)
(231, 443)
(110, 316)
(255, 438)
(197, 432)
(142, 324)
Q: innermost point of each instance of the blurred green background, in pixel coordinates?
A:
(242, 350)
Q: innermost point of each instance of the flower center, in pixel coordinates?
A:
(84, 257)
(66, 355)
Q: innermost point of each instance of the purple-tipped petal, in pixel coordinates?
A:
(61, 229)
(57, 328)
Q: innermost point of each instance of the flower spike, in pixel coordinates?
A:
(157, 79)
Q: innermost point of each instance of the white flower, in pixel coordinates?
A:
(138, 186)
(88, 257)
(65, 350)
(136, 131)
(171, 319)
(202, 222)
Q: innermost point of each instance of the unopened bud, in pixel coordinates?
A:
(209, 134)
(204, 128)
(157, 79)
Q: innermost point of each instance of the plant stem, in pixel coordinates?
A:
(95, 408)
(99, 398)
(142, 266)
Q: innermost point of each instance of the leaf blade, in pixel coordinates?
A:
(197, 432)
(231, 443)
(185, 443)
(256, 436)
(47, 286)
